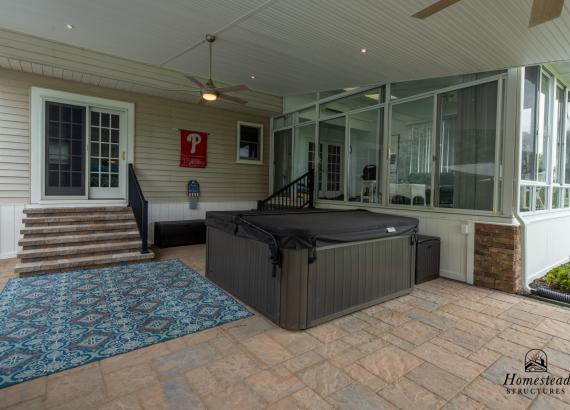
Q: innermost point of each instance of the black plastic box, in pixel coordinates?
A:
(427, 258)
(179, 233)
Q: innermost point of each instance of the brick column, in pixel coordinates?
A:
(497, 257)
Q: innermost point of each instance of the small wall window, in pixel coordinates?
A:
(249, 143)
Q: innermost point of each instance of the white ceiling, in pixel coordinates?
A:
(297, 45)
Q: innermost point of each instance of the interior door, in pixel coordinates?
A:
(65, 150)
(282, 158)
(107, 154)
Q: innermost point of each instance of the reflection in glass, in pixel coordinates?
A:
(525, 199)
(282, 146)
(528, 124)
(544, 131)
(331, 163)
(353, 102)
(411, 153)
(364, 168)
(467, 133)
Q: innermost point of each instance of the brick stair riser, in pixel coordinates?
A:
(102, 253)
(39, 222)
(56, 231)
(87, 239)
(100, 263)
(73, 211)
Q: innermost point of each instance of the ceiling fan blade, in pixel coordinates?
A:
(195, 81)
(545, 10)
(434, 8)
(233, 99)
(184, 90)
(232, 88)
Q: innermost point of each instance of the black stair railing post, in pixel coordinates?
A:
(139, 206)
(144, 222)
(311, 184)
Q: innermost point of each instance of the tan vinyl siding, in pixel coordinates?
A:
(157, 143)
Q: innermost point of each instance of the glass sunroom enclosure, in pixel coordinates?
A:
(433, 145)
(422, 144)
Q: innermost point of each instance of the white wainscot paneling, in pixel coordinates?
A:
(10, 224)
(454, 258)
(547, 243)
(178, 211)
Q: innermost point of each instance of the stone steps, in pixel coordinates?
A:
(56, 239)
(52, 220)
(81, 262)
(92, 248)
(60, 229)
(93, 237)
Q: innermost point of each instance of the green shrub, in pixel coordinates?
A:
(559, 277)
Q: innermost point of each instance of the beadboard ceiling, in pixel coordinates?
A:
(294, 46)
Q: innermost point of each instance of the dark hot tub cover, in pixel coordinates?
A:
(311, 228)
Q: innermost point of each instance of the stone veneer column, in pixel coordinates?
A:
(497, 257)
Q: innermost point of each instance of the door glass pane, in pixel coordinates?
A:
(364, 151)
(105, 150)
(528, 124)
(466, 158)
(411, 152)
(282, 143)
(544, 132)
(64, 154)
(331, 162)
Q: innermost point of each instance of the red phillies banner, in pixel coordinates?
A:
(193, 149)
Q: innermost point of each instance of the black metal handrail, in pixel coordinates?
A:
(139, 205)
(296, 194)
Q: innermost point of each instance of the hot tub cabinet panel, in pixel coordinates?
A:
(243, 267)
(311, 286)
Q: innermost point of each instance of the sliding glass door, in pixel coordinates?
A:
(65, 150)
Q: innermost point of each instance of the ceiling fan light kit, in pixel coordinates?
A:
(209, 92)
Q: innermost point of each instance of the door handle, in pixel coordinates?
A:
(124, 156)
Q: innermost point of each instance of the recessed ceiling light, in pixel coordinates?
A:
(252, 77)
(363, 50)
(70, 26)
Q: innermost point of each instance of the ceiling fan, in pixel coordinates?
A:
(209, 92)
(541, 12)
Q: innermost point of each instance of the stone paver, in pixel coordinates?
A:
(446, 345)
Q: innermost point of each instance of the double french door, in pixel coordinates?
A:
(85, 152)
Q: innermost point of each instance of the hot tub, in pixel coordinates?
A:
(301, 268)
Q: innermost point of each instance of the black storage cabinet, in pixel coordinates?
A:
(427, 258)
(179, 233)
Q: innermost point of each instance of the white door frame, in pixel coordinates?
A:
(37, 166)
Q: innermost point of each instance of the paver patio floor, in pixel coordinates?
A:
(446, 345)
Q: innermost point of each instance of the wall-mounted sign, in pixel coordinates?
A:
(193, 149)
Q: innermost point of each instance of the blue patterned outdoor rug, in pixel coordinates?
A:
(58, 321)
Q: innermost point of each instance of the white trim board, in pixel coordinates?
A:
(38, 97)
(10, 224)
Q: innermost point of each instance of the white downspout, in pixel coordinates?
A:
(516, 179)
